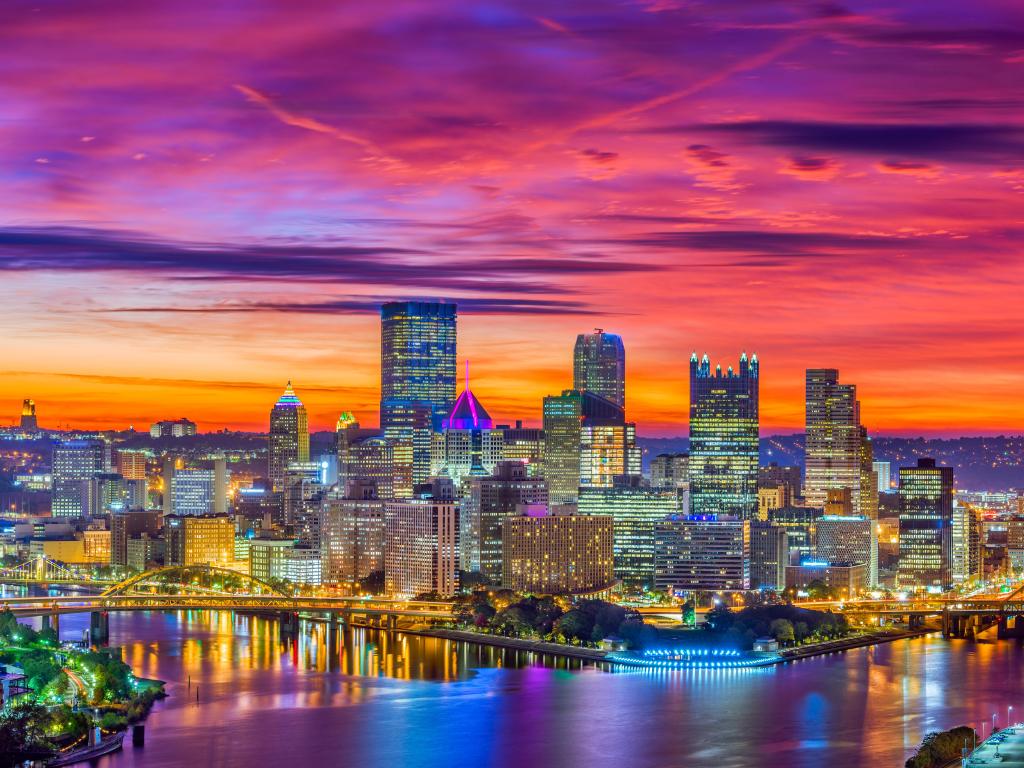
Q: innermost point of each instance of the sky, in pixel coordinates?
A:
(202, 200)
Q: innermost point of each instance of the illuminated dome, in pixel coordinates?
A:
(468, 412)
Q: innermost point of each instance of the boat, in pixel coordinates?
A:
(104, 747)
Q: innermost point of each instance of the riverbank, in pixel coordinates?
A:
(849, 643)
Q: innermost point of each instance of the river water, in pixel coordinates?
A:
(241, 695)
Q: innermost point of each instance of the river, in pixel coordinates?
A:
(241, 695)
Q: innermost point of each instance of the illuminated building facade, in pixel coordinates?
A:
(421, 550)
(833, 437)
(199, 540)
(131, 465)
(556, 554)
(926, 526)
(607, 451)
(635, 511)
(724, 422)
(848, 539)
(525, 445)
(702, 553)
(175, 428)
(289, 436)
(867, 499)
(468, 443)
(417, 388)
(769, 555)
(200, 491)
(29, 423)
(967, 543)
(487, 503)
(127, 525)
(75, 463)
(883, 471)
(599, 366)
(353, 540)
(670, 470)
(847, 580)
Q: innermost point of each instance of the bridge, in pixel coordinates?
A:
(43, 570)
(140, 593)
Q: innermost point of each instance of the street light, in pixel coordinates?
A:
(1009, 709)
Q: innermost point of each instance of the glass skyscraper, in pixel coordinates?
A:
(833, 447)
(724, 431)
(599, 366)
(289, 436)
(926, 526)
(417, 376)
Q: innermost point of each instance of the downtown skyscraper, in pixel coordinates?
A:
(926, 526)
(417, 377)
(599, 366)
(724, 431)
(289, 436)
(833, 441)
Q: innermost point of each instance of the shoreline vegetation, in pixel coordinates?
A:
(941, 748)
(64, 691)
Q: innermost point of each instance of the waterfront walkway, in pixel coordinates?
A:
(515, 643)
(1003, 748)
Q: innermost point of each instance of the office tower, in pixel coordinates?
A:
(29, 423)
(371, 461)
(556, 554)
(670, 470)
(144, 552)
(284, 560)
(289, 436)
(131, 464)
(468, 443)
(724, 438)
(199, 540)
(838, 501)
(75, 462)
(967, 560)
(847, 580)
(586, 442)
(525, 445)
(486, 504)
(833, 438)
(353, 540)
(882, 472)
(599, 366)
(702, 553)
(175, 428)
(771, 498)
(421, 549)
(199, 491)
(867, 499)
(635, 511)
(109, 492)
(926, 523)
(773, 476)
(769, 556)
(848, 539)
(417, 387)
(303, 499)
(800, 524)
(128, 525)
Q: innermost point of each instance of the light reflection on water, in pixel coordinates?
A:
(364, 698)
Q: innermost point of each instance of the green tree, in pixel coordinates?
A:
(782, 630)
(22, 734)
(689, 611)
(801, 631)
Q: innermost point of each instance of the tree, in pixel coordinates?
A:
(575, 625)
(22, 730)
(720, 618)
(689, 611)
(782, 630)
(373, 584)
(801, 631)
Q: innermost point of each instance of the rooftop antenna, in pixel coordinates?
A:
(467, 374)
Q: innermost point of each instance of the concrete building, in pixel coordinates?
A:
(468, 443)
(199, 491)
(833, 438)
(847, 580)
(199, 540)
(702, 553)
(353, 541)
(670, 470)
(173, 428)
(556, 554)
(848, 539)
(421, 551)
(75, 463)
(926, 526)
(967, 543)
(769, 556)
(128, 525)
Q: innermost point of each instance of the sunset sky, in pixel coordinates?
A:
(201, 200)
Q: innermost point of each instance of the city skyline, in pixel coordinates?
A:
(833, 186)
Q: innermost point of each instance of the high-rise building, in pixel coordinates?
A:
(75, 463)
(724, 428)
(635, 510)
(199, 540)
(421, 550)
(702, 553)
(525, 445)
(289, 436)
(838, 501)
(29, 423)
(867, 499)
(353, 540)
(833, 438)
(800, 524)
(417, 387)
(486, 504)
(848, 539)
(967, 560)
(883, 470)
(769, 556)
(556, 554)
(127, 525)
(200, 491)
(772, 476)
(468, 443)
(926, 526)
(284, 560)
(587, 442)
(599, 366)
(303, 498)
(670, 470)
(131, 465)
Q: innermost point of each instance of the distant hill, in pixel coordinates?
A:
(979, 463)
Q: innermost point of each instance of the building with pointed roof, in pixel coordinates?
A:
(468, 444)
(289, 436)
